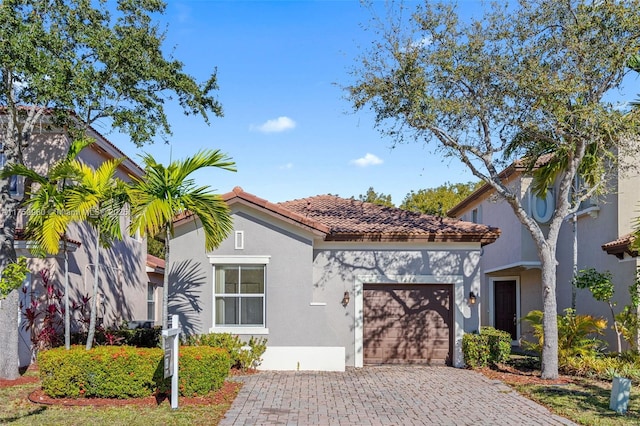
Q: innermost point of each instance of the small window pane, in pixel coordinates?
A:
(252, 311)
(227, 310)
(151, 302)
(226, 279)
(252, 280)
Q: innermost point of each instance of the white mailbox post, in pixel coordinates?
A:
(171, 344)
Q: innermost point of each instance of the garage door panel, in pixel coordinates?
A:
(407, 323)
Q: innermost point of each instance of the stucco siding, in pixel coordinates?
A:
(336, 270)
(306, 281)
(288, 279)
(122, 275)
(190, 279)
(514, 253)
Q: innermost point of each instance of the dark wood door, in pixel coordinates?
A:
(408, 323)
(505, 306)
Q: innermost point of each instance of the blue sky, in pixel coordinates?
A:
(286, 122)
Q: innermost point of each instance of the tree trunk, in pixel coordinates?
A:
(165, 281)
(94, 298)
(616, 328)
(9, 360)
(67, 314)
(549, 362)
(10, 306)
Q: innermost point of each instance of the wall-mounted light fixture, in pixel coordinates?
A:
(472, 298)
(346, 298)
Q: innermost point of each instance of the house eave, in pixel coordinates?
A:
(621, 247)
(522, 265)
(483, 239)
(24, 248)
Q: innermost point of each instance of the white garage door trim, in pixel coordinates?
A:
(458, 302)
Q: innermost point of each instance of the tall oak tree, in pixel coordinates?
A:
(67, 65)
(522, 80)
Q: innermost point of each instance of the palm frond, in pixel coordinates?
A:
(76, 146)
(165, 192)
(22, 170)
(214, 215)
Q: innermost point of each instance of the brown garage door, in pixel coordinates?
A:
(408, 323)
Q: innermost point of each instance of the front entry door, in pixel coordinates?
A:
(505, 306)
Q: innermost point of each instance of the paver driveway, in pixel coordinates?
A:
(389, 395)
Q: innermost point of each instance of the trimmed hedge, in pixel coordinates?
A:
(128, 372)
(202, 369)
(244, 355)
(490, 346)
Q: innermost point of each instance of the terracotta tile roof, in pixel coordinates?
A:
(20, 235)
(353, 220)
(239, 195)
(340, 219)
(621, 246)
(155, 262)
(518, 166)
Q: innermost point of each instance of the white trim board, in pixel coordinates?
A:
(239, 260)
(303, 358)
(460, 310)
(533, 264)
(395, 246)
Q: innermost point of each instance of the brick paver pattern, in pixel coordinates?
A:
(389, 395)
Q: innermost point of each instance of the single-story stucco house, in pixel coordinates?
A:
(331, 282)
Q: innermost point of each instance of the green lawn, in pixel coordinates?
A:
(18, 410)
(584, 401)
(580, 399)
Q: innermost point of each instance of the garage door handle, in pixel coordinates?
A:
(515, 320)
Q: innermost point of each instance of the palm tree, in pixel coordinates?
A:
(165, 192)
(97, 198)
(47, 224)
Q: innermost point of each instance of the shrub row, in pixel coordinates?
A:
(128, 372)
(490, 346)
(244, 355)
(603, 367)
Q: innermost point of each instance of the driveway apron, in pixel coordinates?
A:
(386, 395)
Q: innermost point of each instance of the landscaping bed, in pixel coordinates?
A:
(24, 402)
(583, 400)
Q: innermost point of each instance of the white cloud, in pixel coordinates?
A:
(276, 125)
(287, 166)
(367, 160)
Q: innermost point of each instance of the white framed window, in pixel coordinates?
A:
(240, 295)
(151, 302)
(542, 208)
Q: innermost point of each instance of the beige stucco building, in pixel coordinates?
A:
(128, 283)
(511, 276)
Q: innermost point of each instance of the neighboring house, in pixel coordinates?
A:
(155, 280)
(123, 284)
(511, 275)
(331, 282)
